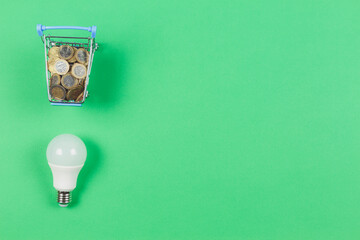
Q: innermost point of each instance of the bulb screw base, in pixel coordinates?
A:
(63, 198)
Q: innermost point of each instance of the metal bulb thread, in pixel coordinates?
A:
(63, 198)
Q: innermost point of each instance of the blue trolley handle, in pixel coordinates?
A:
(40, 28)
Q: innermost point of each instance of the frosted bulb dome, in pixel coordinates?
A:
(66, 150)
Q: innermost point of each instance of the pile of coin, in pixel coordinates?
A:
(68, 66)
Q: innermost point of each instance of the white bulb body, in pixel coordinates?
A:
(66, 155)
(65, 178)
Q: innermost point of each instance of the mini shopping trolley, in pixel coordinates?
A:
(87, 43)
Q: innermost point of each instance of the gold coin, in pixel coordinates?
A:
(55, 79)
(61, 66)
(72, 60)
(82, 56)
(69, 82)
(74, 93)
(54, 52)
(78, 70)
(66, 52)
(57, 92)
(80, 97)
(82, 82)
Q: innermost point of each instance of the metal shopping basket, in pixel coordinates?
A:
(87, 43)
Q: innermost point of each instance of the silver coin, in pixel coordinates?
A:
(66, 51)
(61, 67)
(68, 81)
(81, 55)
(79, 70)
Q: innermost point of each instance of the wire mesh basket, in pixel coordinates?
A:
(87, 43)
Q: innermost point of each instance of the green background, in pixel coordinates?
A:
(206, 120)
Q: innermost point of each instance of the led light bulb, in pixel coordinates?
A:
(66, 155)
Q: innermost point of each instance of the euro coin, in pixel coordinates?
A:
(51, 64)
(55, 79)
(82, 82)
(72, 60)
(78, 70)
(74, 93)
(80, 97)
(54, 52)
(69, 82)
(61, 66)
(57, 92)
(66, 52)
(82, 56)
